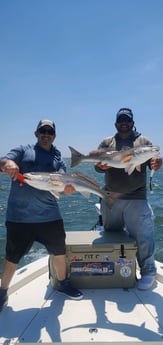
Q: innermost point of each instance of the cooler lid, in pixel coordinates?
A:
(94, 237)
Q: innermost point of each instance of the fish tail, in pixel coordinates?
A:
(76, 157)
(109, 201)
(111, 197)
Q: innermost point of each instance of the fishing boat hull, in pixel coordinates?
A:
(36, 312)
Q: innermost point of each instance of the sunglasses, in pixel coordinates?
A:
(124, 119)
(46, 131)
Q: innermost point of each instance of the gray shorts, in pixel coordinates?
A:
(21, 236)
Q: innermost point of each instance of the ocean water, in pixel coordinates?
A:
(79, 212)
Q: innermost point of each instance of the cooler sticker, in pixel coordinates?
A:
(90, 257)
(124, 261)
(91, 268)
(105, 258)
(125, 271)
(76, 258)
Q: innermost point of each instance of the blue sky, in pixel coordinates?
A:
(77, 62)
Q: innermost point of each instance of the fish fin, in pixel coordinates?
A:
(76, 157)
(68, 191)
(85, 178)
(55, 194)
(126, 159)
(111, 197)
(85, 194)
(129, 169)
(138, 168)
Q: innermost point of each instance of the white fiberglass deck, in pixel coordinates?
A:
(38, 313)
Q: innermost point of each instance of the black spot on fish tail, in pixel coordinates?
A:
(110, 197)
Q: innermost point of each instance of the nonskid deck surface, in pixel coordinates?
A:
(38, 313)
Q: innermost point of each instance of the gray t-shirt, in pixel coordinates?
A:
(117, 180)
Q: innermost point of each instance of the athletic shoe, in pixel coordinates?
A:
(65, 287)
(146, 282)
(3, 298)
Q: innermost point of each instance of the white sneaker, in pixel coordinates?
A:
(146, 282)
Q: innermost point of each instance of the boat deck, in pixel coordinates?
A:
(38, 313)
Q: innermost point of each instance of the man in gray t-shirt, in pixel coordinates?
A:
(131, 209)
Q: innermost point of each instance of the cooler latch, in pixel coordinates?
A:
(122, 251)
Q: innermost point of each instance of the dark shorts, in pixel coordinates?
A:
(21, 236)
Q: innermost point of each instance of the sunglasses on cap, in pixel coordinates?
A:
(124, 119)
(46, 131)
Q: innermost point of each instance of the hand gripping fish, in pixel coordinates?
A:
(127, 159)
(55, 183)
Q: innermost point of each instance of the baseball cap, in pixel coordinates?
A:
(125, 111)
(43, 123)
